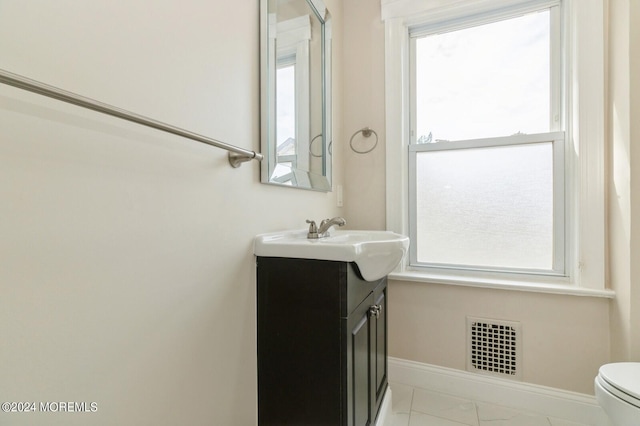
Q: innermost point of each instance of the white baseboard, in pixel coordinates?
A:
(551, 402)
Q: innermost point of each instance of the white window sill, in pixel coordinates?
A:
(563, 289)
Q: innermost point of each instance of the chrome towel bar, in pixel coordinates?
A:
(237, 155)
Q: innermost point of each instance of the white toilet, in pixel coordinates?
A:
(617, 389)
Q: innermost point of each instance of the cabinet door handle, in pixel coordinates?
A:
(374, 310)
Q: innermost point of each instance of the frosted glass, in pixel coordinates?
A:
(486, 81)
(486, 207)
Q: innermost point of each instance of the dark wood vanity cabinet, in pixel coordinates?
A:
(322, 344)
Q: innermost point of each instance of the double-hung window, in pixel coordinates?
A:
(486, 153)
(495, 142)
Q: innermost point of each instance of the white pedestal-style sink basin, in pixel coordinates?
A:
(375, 252)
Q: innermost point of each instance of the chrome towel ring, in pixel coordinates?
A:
(366, 132)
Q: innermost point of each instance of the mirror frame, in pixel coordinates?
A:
(301, 179)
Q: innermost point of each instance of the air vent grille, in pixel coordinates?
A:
(493, 347)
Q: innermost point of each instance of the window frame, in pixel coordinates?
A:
(555, 135)
(583, 114)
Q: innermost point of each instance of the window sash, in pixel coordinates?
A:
(556, 99)
(559, 232)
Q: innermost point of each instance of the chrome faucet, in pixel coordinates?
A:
(316, 232)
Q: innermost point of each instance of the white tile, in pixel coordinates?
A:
(401, 399)
(399, 419)
(419, 407)
(444, 406)
(421, 419)
(496, 415)
(562, 422)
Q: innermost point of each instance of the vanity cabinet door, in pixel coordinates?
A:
(379, 347)
(367, 358)
(358, 364)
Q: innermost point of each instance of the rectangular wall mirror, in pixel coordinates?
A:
(295, 74)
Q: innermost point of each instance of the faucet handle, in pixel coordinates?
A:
(313, 229)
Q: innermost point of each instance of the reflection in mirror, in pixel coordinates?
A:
(296, 93)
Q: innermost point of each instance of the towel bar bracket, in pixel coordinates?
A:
(236, 159)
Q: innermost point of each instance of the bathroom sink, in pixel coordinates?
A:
(375, 252)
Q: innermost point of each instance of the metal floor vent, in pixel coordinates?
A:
(493, 347)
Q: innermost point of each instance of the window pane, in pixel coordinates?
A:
(486, 81)
(286, 108)
(486, 207)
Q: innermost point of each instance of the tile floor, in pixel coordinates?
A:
(419, 407)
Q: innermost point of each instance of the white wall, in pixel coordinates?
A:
(624, 185)
(364, 107)
(565, 338)
(619, 184)
(126, 269)
(634, 106)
